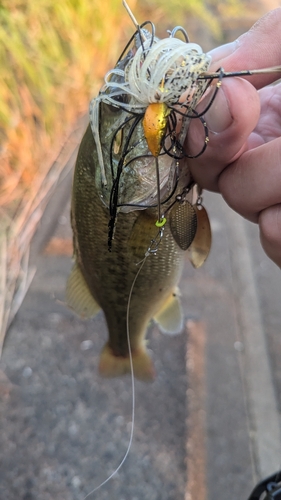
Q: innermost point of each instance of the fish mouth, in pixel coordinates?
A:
(140, 190)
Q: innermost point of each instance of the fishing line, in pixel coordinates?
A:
(141, 264)
(158, 188)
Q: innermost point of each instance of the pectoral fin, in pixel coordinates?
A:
(78, 295)
(170, 317)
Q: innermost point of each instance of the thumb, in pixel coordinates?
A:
(230, 120)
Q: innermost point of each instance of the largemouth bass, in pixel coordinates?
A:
(133, 214)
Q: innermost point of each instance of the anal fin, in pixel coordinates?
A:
(78, 295)
(170, 317)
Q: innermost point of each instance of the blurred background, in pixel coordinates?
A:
(62, 429)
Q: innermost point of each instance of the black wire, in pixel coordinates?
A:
(113, 203)
(112, 143)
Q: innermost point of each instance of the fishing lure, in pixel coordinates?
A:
(148, 83)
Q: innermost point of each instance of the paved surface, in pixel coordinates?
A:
(240, 307)
(63, 429)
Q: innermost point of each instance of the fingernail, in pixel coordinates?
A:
(220, 53)
(218, 117)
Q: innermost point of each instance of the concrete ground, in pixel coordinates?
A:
(206, 429)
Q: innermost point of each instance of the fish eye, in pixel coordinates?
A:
(120, 99)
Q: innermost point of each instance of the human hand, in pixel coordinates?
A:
(243, 158)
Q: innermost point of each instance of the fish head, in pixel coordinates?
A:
(129, 164)
(149, 73)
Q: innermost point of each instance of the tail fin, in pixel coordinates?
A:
(115, 366)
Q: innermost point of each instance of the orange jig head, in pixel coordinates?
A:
(155, 123)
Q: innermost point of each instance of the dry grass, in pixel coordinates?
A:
(53, 55)
(52, 58)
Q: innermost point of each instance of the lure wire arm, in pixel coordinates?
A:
(182, 30)
(247, 72)
(154, 244)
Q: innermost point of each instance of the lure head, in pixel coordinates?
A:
(155, 124)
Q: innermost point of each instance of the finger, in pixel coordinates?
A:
(256, 49)
(269, 125)
(253, 182)
(270, 232)
(230, 120)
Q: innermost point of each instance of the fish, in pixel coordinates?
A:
(135, 208)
